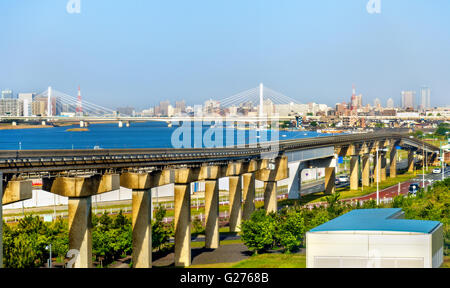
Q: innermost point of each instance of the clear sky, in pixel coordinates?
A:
(140, 52)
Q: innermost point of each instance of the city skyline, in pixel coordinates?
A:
(213, 50)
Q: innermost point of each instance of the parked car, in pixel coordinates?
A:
(343, 178)
(437, 171)
(414, 188)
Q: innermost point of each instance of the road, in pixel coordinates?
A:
(404, 187)
(319, 186)
(393, 190)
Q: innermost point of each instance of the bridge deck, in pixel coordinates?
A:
(26, 161)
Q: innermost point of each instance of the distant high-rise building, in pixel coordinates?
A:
(425, 97)
(7, 94)
(390, 103)
(128, 111)
(26, 100)
(180, 106)
(211, 106)
(408, 99)
(164, 108)
(377, 103)
(341, 109)
(39, 106)
(10, 107)
(354, 100)
(359, 101)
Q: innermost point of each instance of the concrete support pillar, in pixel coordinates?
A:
(212, 239)
(295, 180)
(270, 196)
(354, 172)
(14, 123)
(43, 123)
(248, 180)
(365, 170)
(81, 124)
(142, 228)
(330, 180)
(393, 163)
(80, 230)
(182, 193)
(120, 124)
(235, 186)
(383, 166)
(410, 161)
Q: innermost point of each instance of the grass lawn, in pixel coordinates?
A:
(264, 261)
(201, 244)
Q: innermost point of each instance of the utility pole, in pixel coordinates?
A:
(423, 166)
(378, 178)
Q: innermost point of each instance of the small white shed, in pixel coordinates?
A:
(379, 238)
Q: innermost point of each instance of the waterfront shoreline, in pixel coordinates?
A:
(20, 127)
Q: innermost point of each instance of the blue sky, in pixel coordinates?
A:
(140, 52)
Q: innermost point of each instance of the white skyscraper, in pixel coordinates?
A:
(26, 100)
(408, 99)
(425, 97)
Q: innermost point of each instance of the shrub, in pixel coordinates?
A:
(197, 227)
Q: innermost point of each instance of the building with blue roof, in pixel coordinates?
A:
(375, 238)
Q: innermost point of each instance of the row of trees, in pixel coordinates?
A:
(24, 244)
(286, 230)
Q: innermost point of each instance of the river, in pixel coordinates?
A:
(138, 135)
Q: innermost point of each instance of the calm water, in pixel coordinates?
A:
(139, 135)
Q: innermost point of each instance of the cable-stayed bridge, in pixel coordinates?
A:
(257, 96)
(88, 112)
(68, 103)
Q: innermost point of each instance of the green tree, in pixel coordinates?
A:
(258, 231)
(418, 134)
(289, 230)
(161, 232)
(442, 129)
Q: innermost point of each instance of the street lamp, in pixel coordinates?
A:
(49, 247)
(423, 166)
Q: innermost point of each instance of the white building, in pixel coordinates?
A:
(26, 100)
(375, 238)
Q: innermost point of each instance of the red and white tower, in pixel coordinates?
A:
(354, 102)
(79, 103)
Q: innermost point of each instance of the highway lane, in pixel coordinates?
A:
(404, 187)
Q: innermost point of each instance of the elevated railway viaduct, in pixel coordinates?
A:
(81, 174)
